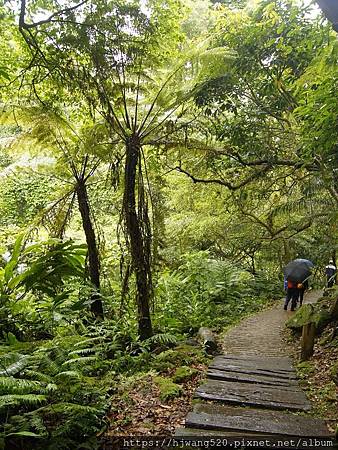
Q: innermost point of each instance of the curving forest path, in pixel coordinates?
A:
(251, 388)
(261, 334)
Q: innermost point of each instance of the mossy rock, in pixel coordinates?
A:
(162, 365)
(183, 373)
(168, 389)
(318, 313)
(181, 355)
(334, 373)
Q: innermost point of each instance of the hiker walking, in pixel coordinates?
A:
(292, 293)
(296, 275)
(331, 272)
(302, 287)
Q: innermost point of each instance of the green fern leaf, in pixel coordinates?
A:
(80, 361)
(15, 367)
(88, 341)
(163, 338)
(39, 376)
(18, 386)
(82, 351)
(71, 374)
(21, 400)
(25, 434)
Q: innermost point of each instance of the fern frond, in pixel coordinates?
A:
(89, 340)
(28, 434)
(306, 204)
(80, 361)
(11, 385)
(36, 422)
(68, 374)
(163, 339)
(21, 400)
(51, 366)
(38, 376)
(15, 367)
(82, 351)
(72, 408)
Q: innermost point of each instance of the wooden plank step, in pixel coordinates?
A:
(221, 365)
(199, 432)
(269, 364)
(284, 360)
(241, 377)
(275, 397)
(256, 387)
(230, 419)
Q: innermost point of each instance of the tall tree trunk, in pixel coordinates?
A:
(158, 211)
(93, 254)
(253, 265)
(136, 219)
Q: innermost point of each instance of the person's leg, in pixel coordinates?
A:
(287, 298)
(301, 296)
(294, 298)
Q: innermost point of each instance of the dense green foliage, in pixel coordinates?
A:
(160, 162)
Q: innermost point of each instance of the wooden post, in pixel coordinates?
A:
(308, 340)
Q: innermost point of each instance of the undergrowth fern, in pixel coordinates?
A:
(43, 401)
(166, 339)
(55, 395)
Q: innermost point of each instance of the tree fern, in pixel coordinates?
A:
(36, 422)
(48, 363)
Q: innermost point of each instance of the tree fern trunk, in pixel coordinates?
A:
(137, 234)
(93, 254)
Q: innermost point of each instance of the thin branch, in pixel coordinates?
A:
(27, 26)
(232, 187)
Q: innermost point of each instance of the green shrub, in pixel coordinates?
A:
(204, 292)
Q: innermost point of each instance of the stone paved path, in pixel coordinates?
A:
(251, 389)
(261, 334)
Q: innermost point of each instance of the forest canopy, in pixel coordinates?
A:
(161, 161)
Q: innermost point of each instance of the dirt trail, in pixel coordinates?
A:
(261, 334)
